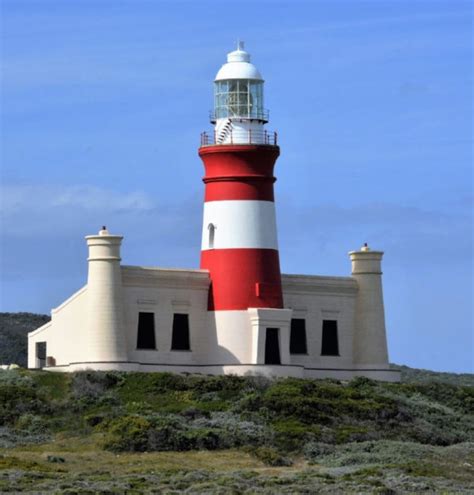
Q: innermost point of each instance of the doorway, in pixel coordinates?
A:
(272, 346)
(40, 354)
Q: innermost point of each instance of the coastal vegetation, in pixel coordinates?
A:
(89, 432)
(109, 432)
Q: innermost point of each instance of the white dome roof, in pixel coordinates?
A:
(238, 66)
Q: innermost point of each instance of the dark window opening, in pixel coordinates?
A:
(329, 345)
(41, 354)
(272, 347)
(146, 331)
(298, 336)
(180, 337)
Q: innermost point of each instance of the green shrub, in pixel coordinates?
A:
(375, 452)
(31, 423)
(349, 433)
(234, 431)
(202, 438)
(16, 400)
(91, 386)
(53, 386)
(270, 457)
(12, 437)
(165, 411)
(291, 434)
(362, 383)
(129, 433)
(173, 432)
(313, 450)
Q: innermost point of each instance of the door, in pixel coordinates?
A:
(40, 354)
(272, 346)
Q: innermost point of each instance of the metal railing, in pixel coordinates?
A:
(224, 113)
(240, 136)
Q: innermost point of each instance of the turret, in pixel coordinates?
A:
(104, 334)
(370, 341)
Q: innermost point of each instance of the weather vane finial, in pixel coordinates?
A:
(240, 45)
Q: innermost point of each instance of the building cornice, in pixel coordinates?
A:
(318, 284)
(140, 276)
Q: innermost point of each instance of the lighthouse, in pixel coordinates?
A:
(237, 313)
(239, 233)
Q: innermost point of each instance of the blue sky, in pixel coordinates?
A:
(103, 103)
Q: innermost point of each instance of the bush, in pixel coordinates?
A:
(128, 433)
(291, 434)
(314, 450)
(173, 432)
(31, 423)
(271, 457)
(92, 385)
(164, 411)
(233, 431)
(372, 452)
(16, 400)
(349, 433)
(11, 437)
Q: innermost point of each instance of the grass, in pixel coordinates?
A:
(86, 467)
(139, 432)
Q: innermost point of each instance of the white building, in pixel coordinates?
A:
(237, 314)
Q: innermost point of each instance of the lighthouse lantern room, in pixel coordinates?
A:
(239, 115)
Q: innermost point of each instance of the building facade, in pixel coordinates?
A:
(237, 313)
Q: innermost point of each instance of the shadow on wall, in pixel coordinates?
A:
(216, 354)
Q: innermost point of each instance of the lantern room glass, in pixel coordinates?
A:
(238, 98)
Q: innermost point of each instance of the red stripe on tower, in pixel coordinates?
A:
(239, 172)
(243, 278)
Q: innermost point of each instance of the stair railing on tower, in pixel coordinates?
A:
(225, 131)
(239, 136)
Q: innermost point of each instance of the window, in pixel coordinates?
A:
(298, 336)
(272, 346)
(329, 344)
(41, 354)
(212, 230)
(146, 331)
(180, 337)
(238, 98)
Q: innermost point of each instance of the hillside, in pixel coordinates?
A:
(414, 375)
(110, 432)
(13, 340)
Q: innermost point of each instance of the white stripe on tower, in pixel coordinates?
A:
(239, 224)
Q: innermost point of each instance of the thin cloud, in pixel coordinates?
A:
(16, 198)
(41, 210)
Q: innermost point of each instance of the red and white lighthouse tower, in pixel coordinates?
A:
(239, 236)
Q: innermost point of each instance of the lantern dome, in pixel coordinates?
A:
(238, 66)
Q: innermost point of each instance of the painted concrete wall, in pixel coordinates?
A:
(316, 299)
(165, 292)
(221, 341)
(64, 335)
